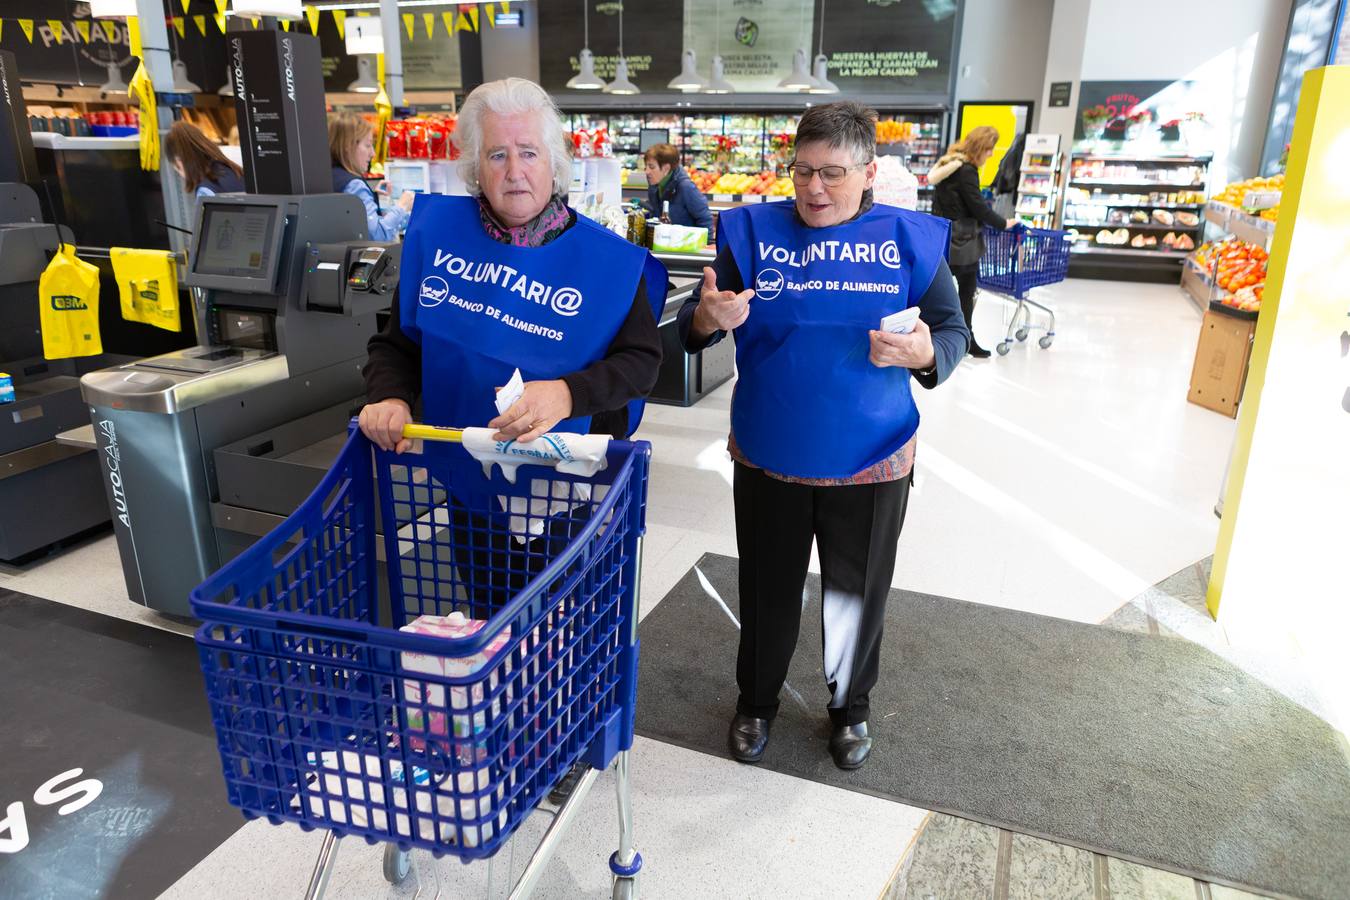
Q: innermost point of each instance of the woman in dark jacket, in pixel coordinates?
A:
(956, 196)
(669, 182)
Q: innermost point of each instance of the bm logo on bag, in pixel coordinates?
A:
(68, 303)
(768, 284)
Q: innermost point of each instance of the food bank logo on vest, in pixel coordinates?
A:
(768, 284)
(68, 303)
(886, 253)
(435, 290)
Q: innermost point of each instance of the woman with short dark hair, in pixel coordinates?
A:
(823, 425)
(668, 183)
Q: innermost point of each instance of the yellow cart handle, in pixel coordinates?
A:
(433, 433)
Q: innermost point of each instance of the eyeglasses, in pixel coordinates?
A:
(830, 176)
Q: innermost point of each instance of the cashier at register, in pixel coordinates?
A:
(508, 278)
(668, 183)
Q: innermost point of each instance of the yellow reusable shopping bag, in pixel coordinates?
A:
(147, 282)
(68, 292)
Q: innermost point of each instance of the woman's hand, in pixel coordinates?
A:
(909, 351)
(383, 423)
(405, 201)
(719, 310)
(543, 405)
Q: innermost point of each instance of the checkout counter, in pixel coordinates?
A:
(289, 289)
(48, 491)
(685, 378)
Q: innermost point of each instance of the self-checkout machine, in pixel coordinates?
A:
(288, 289)
(48, 491)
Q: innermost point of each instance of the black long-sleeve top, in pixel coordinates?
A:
(602, 390)
(958, 197)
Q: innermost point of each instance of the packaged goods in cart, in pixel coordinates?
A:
(457, 715)
(348, 788)
(6, 388)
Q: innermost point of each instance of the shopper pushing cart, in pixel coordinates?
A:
(430, 642)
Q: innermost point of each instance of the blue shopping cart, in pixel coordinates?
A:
(1015, 261)
(329, 716)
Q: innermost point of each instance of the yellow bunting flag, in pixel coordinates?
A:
(200, 22)
(285, 24)
(409, 24)
(220, 22)
(473, 17)
(186, 4)
(82, 27)
(27, 26)
(340, 20)
(449, 19)
(134, 36)
(220, 6)
(57, 31)
(429, 20)
(109, 30)
(312, 13)
(180, 25)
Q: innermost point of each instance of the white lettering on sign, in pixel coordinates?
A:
(565, 301)
(288, 56)
(112, 454)
(887, 253)
(14, 826)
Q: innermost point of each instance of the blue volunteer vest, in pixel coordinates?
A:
(480, 308)
(808, 403)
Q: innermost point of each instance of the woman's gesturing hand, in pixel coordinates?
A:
(542, 405)
(909, 351)
(383, 423)
(720, 310)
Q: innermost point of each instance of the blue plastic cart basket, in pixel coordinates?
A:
(329, 716)
(1015, 261)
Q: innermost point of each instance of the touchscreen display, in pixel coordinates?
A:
(236, 240)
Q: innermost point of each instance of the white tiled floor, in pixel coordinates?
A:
(1062, 481)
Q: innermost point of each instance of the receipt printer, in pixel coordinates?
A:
(353, 278)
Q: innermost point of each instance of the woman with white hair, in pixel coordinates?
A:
(512, 278)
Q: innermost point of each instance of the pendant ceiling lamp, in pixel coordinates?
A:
(114, 84)
(365, 82)
(799, 79)
(181, 83)
(718, 83)
(688, 80)
(586, 79)
(821, 69)
(621, 84)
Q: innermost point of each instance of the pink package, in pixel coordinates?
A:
(434, 696)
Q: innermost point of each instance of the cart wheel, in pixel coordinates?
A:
(1021, 334)
(1003, 348)
(397, 864)
(624, 889)
(1046, 341)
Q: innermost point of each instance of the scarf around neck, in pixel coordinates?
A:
(546, 226)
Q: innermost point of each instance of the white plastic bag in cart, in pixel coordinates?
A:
(573, 454)
(342, 786)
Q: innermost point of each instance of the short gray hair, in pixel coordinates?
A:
(844, 123)
(511, 96)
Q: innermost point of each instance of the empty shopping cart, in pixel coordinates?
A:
(1015, 261)
(329, 716)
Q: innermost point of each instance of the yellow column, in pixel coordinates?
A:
(1280, 569)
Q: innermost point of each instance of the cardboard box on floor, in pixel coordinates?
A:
(1221, 357)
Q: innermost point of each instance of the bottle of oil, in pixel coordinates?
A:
(665, 212)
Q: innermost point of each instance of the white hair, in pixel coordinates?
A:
(507, 97)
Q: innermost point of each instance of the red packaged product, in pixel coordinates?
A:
(398, 140)
(436, 139)
(417, 141)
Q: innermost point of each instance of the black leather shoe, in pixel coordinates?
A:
(747, 738)
(850, 745)
(977, 351)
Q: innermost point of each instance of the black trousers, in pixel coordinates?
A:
(965, 288)
(856, 529)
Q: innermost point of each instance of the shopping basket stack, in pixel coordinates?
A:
(1016, 260)
(330, 716)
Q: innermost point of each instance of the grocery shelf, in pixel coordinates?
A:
(1038, 170)
(1126, 158)
(1034, 193)
(1133, 205)
(1142, 226)
(1131, 251)
(1168, 185)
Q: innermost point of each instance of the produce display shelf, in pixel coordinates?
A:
(1134, 205)
(1142, 226)
(1131, 251)
(1242, 225)
(1169, 185)
(1117, 157)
